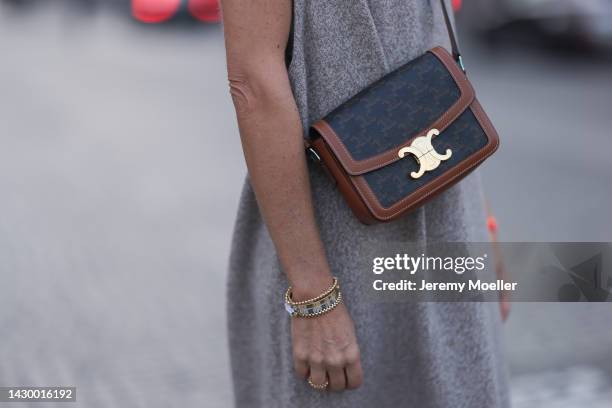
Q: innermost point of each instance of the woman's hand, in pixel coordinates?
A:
(325, 348)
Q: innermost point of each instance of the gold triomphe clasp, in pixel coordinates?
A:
(424, 153)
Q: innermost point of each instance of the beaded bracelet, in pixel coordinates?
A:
(316, 306)
(329, 290)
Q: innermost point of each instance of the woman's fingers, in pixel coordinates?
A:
(318, 374)
(354, 373)
(301, 367)
(337, 378)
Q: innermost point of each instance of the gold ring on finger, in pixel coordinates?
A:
(320, 387)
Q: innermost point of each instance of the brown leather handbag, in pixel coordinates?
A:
(405, 138)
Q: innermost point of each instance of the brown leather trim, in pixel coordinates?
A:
(444, 181)
(355, 167)
(343, 182)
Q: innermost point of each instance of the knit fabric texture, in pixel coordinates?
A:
(413, 354)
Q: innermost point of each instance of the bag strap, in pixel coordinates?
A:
(451, 34)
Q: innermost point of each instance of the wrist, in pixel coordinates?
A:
(310, 287)
(318, 305)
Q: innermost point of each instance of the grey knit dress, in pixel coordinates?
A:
(413, 355)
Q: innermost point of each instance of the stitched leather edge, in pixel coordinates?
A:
(444, 181)
(343, 183)
(354, 167)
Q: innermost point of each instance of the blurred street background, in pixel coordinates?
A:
(120, 170)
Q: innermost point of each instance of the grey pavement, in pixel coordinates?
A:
(120, 169)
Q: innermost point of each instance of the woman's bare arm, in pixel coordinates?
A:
(256, 35)
(256, 31)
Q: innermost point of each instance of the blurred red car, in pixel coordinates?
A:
(156, 11)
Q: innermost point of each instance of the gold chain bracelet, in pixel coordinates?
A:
(316, 306)
(288, 297)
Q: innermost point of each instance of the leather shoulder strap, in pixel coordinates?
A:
(451, 35)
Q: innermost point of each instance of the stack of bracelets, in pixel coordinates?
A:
(316, 306)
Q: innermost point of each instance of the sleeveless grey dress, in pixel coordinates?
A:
(413, 355)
